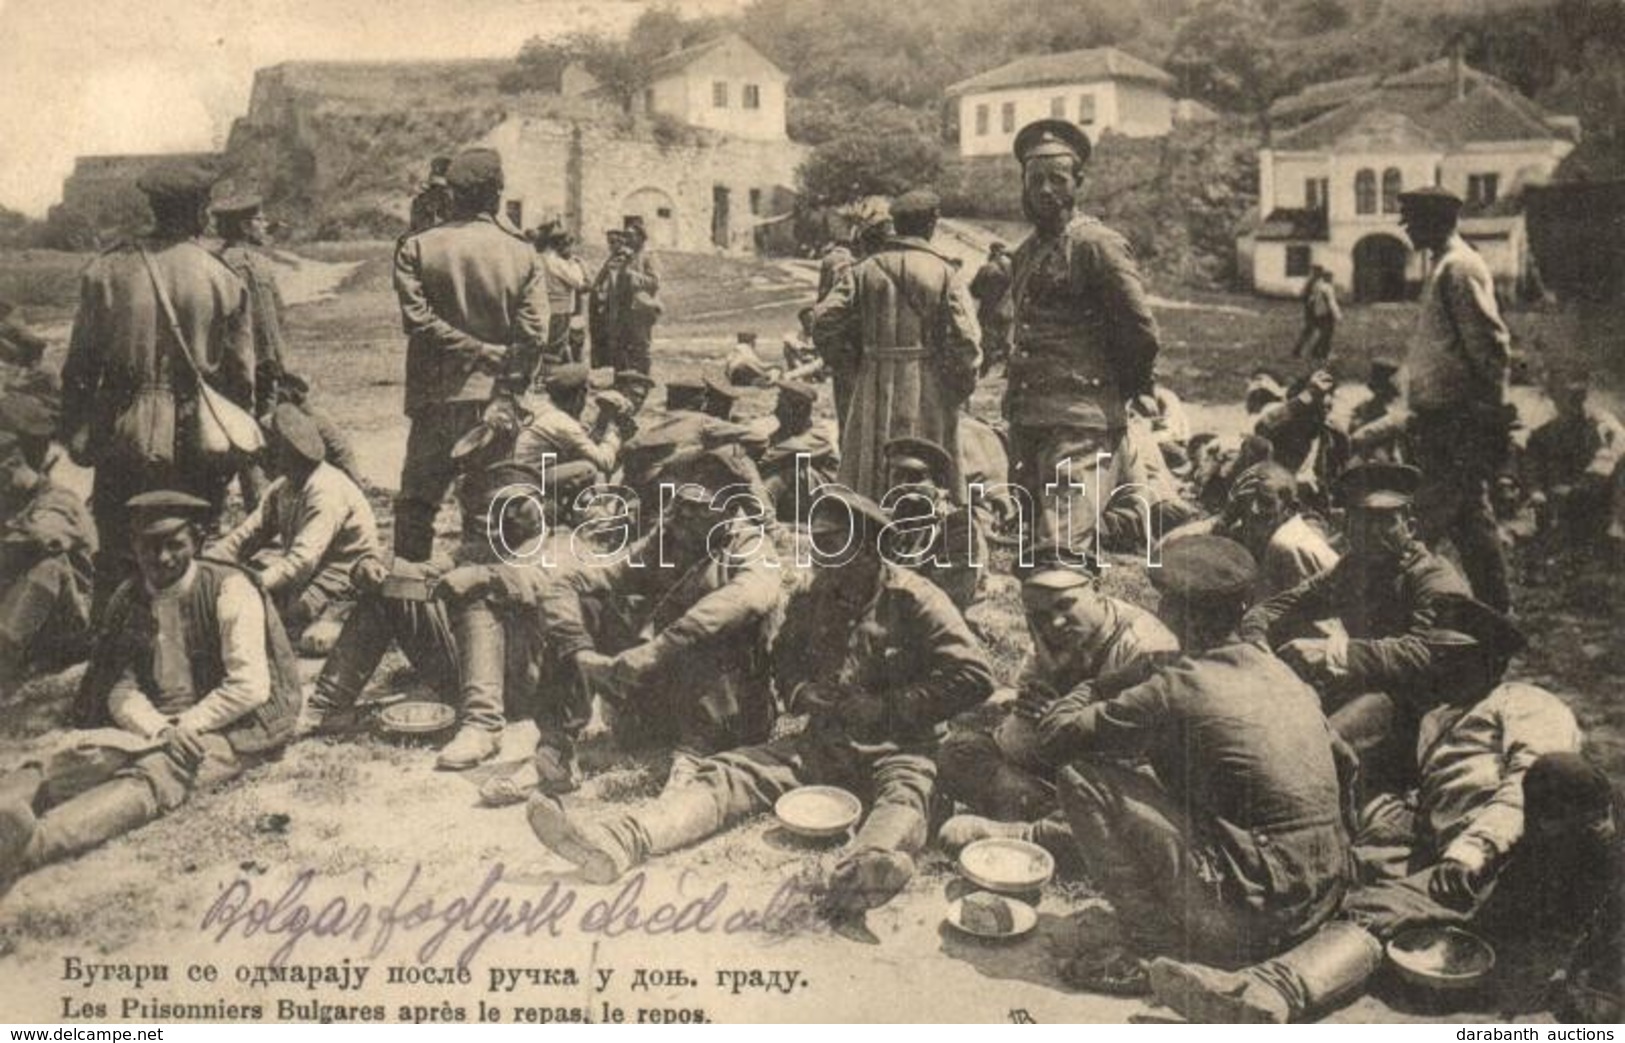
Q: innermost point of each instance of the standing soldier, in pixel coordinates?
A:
(1459, 428)
(991, 288)
(242, 227)
(603, 329)
(474, 305)
(129, 397)
(432, 204)
(636, 300)
(909, 326)
(566, 282)
(1084, 344)
(1320, 316)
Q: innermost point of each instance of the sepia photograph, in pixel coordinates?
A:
(813, 511)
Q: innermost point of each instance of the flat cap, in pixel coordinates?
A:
(572, 376)
(475, 168)
(685, 393)
(1377, 486)
(796, 391)
(1430, 196)
(1053, 577)
(238, 206)
(916, 201)
(27, 416)
(1459, 620)
(176, 180)
(927, 452)
(1051, 137)
(294, 428)
(1205, 568)
(164, 510)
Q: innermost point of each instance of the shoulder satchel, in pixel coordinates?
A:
(223, 427)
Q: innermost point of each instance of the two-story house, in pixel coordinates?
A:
(1099, 89)
(1329, 183)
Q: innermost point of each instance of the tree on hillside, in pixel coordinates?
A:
(1223, 53)
(883, 153)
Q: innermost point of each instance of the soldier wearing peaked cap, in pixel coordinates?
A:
(129, 398)
(796, 458)
(907, 327)
(1083, 344)
(931, 535)
(432, 204)
(1459, 427)
(1377, 675)
(1245, 795)
(308, 533)
(474, 305)
(557, 427)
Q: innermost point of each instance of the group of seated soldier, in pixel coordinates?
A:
(1307, 746)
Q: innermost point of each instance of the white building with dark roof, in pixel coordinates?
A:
(1099, 89)
(1329, 181)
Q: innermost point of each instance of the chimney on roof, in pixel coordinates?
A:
(1458, 69)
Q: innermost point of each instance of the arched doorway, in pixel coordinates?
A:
(1379, 268)
(659, 215)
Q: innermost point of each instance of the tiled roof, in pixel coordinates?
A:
(1039, 70)
(677, 61)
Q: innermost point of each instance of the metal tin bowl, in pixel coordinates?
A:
(1007, 866)
(416, 718)
(1441, 957)
(818, 811)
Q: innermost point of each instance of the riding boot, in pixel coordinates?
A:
(1322, 973)
(89, 820)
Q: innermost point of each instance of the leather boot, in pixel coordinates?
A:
(90, 820)
(607, 849)
(17, 821)
(1327, 970)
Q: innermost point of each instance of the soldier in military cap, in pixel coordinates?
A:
(1378, 674)
(1234, 847)
(634, 300)
(567, 285)
(191, 682)
(474, 304)
(1459, 430)
(1377, 425)
(796, 458)
(930, 534)
(432, 204)
(1084, 343)
(604, 324)
(129, 398)
(909, 325)
(1083, 641)
(556, 428)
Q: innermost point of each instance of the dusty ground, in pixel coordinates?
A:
(363, 813)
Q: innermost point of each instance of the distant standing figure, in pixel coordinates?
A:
(243, 229)
(994, 307)
(636, 300)
(566, 282)
(432, 204)
(1320, 316)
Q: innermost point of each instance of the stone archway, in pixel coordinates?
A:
(659, 215)
(1379, 268)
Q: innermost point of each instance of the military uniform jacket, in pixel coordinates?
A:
(908, 645)
(123, 376)
(1084, 339)
(264, 301)
(1130, 634)
(463, 285)
(1240, 742)
(1387, 613)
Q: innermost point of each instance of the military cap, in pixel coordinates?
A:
(475, 168)
(572, 376)
(438, 167)
(709, 469)
(177, 180)
(1205, 569)
(164, 510)
(1377, 486)
(1052, 556)
(237, 206)
(796, 391)
(27, 416)
(294, 428)
(1430, 197)
(1051, 137)
(685, 394)
(1054, 577)
(839, 510)
(1459, 620)
(917, 201)
(933, 456)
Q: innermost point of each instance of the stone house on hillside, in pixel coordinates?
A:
(1329, 181)
(1099, 89)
